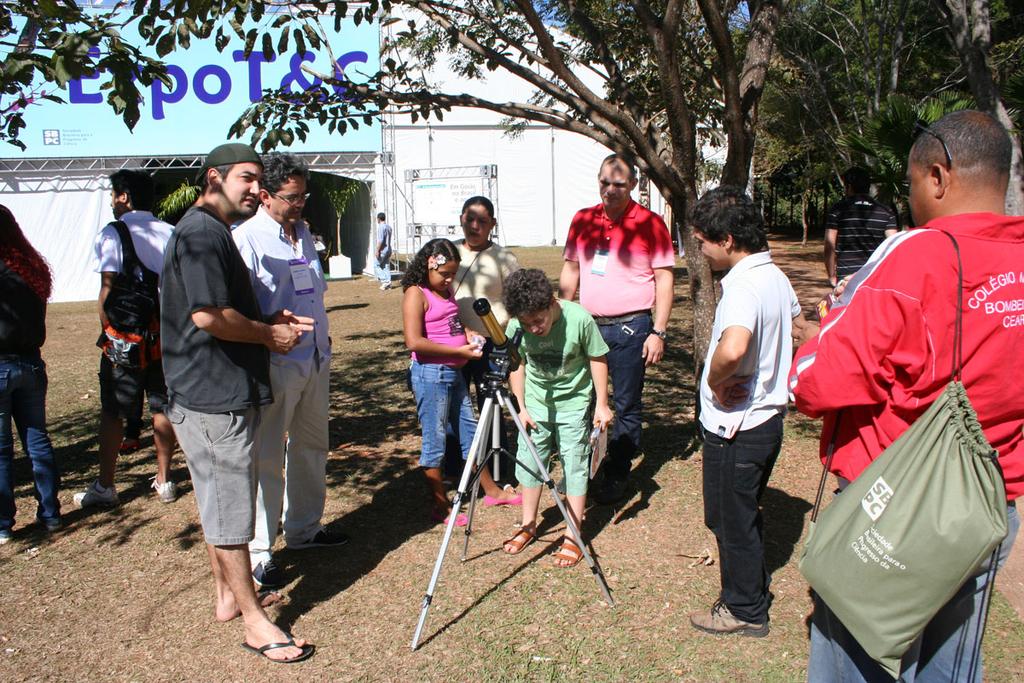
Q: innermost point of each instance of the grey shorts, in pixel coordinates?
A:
(220, 449)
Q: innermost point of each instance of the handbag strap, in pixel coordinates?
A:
(958, 330)
(829, 452)
(129, 257)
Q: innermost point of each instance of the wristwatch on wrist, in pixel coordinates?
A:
(660, 334)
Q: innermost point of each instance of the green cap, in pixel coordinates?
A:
(229, 154)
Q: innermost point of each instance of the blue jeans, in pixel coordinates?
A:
(382, 270)
(627, 370)
(441, 401)
(23, 399)
(944, 652)
(736, 473)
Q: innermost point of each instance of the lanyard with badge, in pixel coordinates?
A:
(599, 265)
(302, 276)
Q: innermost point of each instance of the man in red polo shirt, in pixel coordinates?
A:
(619, 255)
(885, 353)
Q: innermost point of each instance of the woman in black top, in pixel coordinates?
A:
(25, 285)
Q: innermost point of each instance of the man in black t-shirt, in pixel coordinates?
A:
(856, 225)
(215, 349)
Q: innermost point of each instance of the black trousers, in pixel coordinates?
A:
(736, 473)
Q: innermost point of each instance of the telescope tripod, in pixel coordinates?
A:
(496, 398)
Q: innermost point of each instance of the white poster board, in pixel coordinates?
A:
(439, 201)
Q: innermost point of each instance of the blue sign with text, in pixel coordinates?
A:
(210, 91)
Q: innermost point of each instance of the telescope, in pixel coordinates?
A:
(503, 346)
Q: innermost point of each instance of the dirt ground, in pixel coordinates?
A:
(126, 595)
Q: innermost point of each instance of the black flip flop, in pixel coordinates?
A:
(307, 651)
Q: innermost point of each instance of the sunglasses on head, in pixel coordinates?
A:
(922, 127)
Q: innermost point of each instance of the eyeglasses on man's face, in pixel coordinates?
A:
(293, 199)
(922, 127)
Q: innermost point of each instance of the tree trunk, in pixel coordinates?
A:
(703, 295)
(1015, 189)
(804, 218)
(971, 31)
(742, 82)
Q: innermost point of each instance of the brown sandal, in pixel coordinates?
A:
(523, 538)
(569, 552)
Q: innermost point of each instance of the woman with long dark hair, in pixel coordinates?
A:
(25, 286)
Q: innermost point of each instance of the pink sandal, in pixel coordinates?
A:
(491, 501)
(460, 520)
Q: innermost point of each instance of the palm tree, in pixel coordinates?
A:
(174, 205)
(888, 136)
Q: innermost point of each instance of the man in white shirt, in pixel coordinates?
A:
(122, 388)
(743, 395)
(278, 248)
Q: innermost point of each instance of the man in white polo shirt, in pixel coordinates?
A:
(277, 247)
(743, 395)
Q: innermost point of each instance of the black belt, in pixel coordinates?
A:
(619, 319)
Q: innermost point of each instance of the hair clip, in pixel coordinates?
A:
(436, 261)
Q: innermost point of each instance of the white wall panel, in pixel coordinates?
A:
(62, 226)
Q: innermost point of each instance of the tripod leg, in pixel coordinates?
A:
(574, 531)
(496, 443)
(469, 521)
(467, 475)
(479, 456)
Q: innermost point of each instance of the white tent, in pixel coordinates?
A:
(60, 215)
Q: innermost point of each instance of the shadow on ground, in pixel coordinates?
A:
(377, 528)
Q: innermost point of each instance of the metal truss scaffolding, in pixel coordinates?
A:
(56, 174)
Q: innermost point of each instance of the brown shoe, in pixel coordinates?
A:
(720, 621)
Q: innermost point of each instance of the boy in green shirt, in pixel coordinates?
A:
(563, 357)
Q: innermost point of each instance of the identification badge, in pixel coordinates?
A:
(600, 263)
(302, 277)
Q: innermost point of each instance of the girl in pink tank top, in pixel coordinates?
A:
(441, 325)
(434, 335)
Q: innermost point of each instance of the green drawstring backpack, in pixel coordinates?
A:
(906, 534)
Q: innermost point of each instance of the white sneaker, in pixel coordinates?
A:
(166, 491)
(97, 495)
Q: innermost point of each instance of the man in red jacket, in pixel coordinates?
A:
(884, 354)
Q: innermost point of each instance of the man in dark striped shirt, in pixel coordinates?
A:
(856, 225)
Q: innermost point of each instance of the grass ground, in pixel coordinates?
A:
(127, 594)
